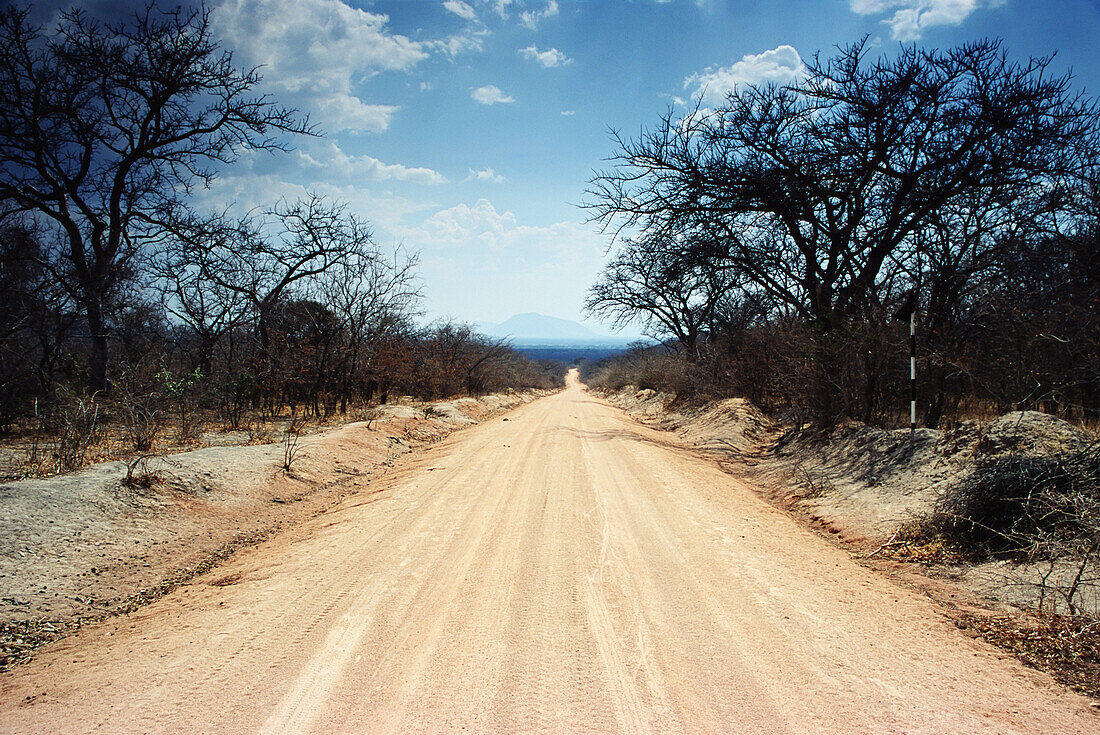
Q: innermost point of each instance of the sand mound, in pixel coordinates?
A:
(860, 479)
(1029, 432)
(734, 424)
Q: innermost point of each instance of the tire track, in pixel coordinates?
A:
(566, 571)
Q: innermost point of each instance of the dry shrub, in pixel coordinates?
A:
(75, 420)
(1031, 509)
(369, 414)
(1009, 503)
(137, 402)
(291, 436)
(670, 373)
(259, 432)
(139, 476)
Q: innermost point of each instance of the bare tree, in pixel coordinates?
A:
(204, 304)
(453, 358)
(371, 295)
(107, 127)
(662, 283)
(263, 257)
(820, 192)
(35, 319)
(811, 187)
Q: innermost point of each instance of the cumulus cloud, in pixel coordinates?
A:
(348, 112)
(532, 18)
(780, 65)
(551, 57)
(385, 211)
(483, 226)
(485, 174)
(310, 52)
(461, 9)
(336, 164)
(490, 95)
(910, 18)
(568, 113)
(463, 224)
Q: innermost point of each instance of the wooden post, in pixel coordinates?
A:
(908, 311)
(912, 372)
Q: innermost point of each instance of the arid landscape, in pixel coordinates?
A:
(558, 567)
(531, 366)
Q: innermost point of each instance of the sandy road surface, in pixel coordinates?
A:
(560, 570)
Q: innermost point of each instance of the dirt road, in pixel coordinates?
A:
(557, 570)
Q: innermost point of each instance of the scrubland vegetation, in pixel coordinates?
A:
(771, 242)
(777, 244)
(129, 311)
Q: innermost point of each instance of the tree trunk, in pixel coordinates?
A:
(97, 363)
(934, 411)
(870, 387)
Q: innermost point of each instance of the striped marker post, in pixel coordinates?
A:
(913, 373)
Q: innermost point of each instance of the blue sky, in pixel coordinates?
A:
(466, 130)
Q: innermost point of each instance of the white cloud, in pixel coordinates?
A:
(501, 6)
(463, 224)
(551, 57)
(311, 52)
(454, 45)
(385, 211)
(461, 9)
(910, 18)
(485, 174)
(490, 95)
(517, 267)
(482, 225)
(347, 112)
(336, 164)
(568, 113)
(780, 65)
(532, 18)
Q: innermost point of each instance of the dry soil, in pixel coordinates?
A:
(560, 569)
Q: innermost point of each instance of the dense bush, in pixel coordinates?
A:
(1024, 506)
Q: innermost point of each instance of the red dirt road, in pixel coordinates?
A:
(558, 570)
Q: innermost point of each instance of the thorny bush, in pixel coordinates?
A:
(1031, 509)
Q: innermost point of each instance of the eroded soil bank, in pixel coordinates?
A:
(88, 545)
(869, 488)
(859, 481)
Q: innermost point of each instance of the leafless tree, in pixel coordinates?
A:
(370, 296)
(811, 187)
(262, 257)
(868, 175)
(192, 295)
(662, 283)
(453, 358)
(106, 127)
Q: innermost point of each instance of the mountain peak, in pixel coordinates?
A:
(533, 325)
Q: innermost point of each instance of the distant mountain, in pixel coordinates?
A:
(532, 329)
(539, 326)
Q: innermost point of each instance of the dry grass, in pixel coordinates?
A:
(28, 452)
(910, 543)
(1066, 647)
